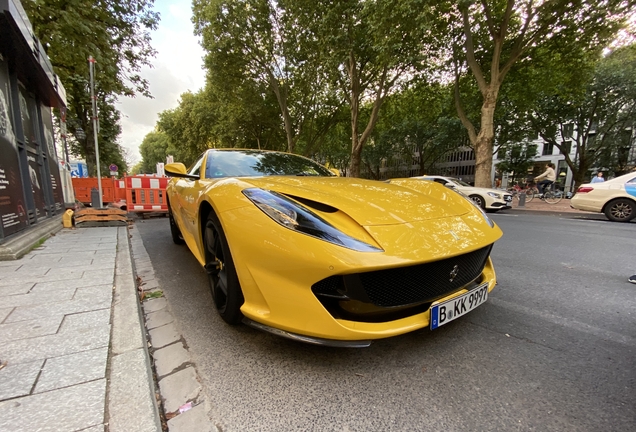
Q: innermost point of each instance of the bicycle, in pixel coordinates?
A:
(530, 190)
(551, 195)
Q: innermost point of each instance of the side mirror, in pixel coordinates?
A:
(177, 169)
(336, 171)
(450, 185)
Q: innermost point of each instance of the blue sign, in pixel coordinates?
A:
(78, 169)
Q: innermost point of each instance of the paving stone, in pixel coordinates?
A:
(38, 298)
(69, 274)
(164, 335)
(154, 305)
(195, 419)
(69, 409)
(157, 319)
(98, 294)
(8, 268)
(169, 358)
(131, 404)
(179, 388)
(15, 289)
(59, 344)
(100, 428)
(23, 313)
(98, 277)
(11, 263)
(96, 266)
(48, 259)
(29, 329)
(143, 265)
(17, 379)
(58, 285)
(150, 284)
(85, 321)
(72, 369)
(44, 251)
(29, 271)
(66, 262)
(4, 313)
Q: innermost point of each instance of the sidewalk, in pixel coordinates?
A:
(537, 206)
(71, 334)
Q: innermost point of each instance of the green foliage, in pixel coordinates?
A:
(517, 158)
(492, 37)
(153, 149)
(597, 117)
(116, 34)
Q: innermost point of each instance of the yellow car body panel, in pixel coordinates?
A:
(411, 222)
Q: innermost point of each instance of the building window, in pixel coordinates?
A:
(548, 148)
(567, 146)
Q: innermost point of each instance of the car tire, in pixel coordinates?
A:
(620, 210)
(177, 238)
(224, 284)
(480, 201)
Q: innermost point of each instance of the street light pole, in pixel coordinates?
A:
(91, 63)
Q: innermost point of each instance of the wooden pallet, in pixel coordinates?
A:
(92, 217)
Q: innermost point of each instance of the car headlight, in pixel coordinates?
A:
(296, 217)
(483, 213)
(494, 195)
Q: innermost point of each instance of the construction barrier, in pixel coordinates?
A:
(146, 194)
(138, 194)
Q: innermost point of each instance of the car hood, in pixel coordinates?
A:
(369, 202)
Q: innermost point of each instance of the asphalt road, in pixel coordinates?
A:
(554, 348)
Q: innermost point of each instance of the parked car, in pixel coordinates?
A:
(486, 198)
(616, 198)
(291, 248)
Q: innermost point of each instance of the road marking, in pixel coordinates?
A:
(569, 323)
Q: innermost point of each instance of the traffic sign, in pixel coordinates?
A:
(113, 167)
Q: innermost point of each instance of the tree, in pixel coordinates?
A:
(491, 37)
(598, 121)
(153, 149)
(369, 47)
(116, 34)
(258, 44)
(189, 127)
(517, 158)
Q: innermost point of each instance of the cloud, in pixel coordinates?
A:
(177, 68)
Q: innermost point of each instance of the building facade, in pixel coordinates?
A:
(30, 185)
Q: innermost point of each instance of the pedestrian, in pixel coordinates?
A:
(632, 279)
(599, 178)
(549, 175)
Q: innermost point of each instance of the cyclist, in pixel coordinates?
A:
(549, 175)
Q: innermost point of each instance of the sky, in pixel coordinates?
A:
(177, 68)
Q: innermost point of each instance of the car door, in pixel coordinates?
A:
(187, 191)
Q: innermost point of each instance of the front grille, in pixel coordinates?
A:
(508, 198)
(406, 286)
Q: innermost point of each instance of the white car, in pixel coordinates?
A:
(487, 199)
(616, 198)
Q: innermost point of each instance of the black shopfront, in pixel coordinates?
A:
(30, 187)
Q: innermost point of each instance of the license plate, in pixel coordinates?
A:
(443, 313)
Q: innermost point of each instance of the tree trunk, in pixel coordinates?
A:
(485, 137)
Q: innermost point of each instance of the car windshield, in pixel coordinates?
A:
(255, 163)
(458, 181)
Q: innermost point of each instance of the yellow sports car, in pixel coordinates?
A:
(292, 248)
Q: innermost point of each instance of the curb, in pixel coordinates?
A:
(131, 401)
(15, 248)
(184, 404)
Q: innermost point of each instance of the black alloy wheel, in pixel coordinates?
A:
(479, 201)
(620, 210)
(224, 283)
(177, 238)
